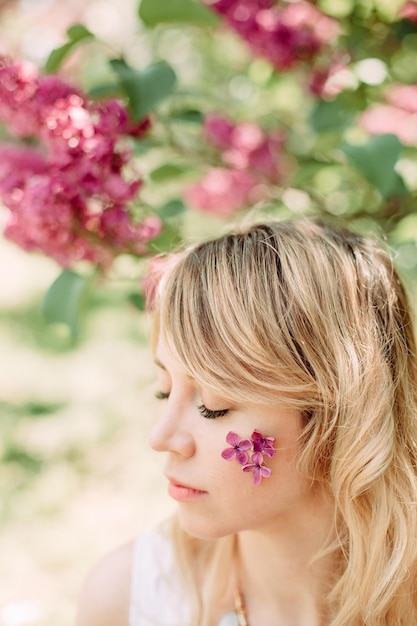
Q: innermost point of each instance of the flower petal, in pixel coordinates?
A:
(245, 444)
(249, 468)
(257, 458)
(256, 436)
(258, 441)
(257, 477)
(228, 453)
(265, 471)
(232, 438)
(242, 457)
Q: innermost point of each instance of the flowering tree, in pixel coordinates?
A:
(282, 108)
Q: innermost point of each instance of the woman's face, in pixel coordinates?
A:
(215, 496)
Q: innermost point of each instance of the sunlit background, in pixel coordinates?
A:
(76, 478)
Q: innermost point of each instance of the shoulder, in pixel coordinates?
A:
(105, 596)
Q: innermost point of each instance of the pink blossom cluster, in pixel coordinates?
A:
(397, 115)
(409, 11)
(67, 195)
(249, 453)
(285, 33)
(328, 81)
(250, 158)
(158, 268)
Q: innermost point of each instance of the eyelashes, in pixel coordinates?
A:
(161, 395)
(209, 413)
(204, 411)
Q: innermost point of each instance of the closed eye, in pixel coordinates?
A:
(162, 395)
(209, 413)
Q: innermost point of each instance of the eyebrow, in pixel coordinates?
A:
(159, 363)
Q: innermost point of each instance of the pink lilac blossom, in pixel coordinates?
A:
(263, 444)
(246, 146)
(398, 115)
(19, 83)
(257, 467)
(285, 35)
(328, 81)
(221, 191)
(44, 222)
(68, 198)
(251, 157)
(16, 166)
(239, 450)
(402, 96)
(158, 267)
(219, 131)
(409, 11)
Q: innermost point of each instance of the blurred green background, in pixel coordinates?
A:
(76, 475)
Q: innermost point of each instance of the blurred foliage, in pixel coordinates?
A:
(332, 121)
(54, 413)
(20, 464)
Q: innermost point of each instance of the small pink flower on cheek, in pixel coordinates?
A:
(263, 444)
(238, 448)
(259, 470)
(260, 446)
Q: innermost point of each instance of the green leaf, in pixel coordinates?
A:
(57, 56)
(189, 116)
(330, 116)
(76, 34)
(17, 454)
(306, 171)
(138, 300)
(142, 146)
(173, 208)
(108, 90)
(166, 241)
(153, 12)
(144, 89)
(79, 31)
(167, 172)
(376, 161)
(62, 302)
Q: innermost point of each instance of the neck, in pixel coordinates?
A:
(281, 579)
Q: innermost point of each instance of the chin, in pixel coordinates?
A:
(203, 528)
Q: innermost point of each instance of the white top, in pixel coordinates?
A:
(158, 597)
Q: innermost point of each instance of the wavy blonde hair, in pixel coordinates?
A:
(317, 315)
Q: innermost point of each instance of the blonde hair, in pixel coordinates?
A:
(316, 317)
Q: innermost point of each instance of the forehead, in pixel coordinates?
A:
(166, 358)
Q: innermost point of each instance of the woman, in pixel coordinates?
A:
(287, 370)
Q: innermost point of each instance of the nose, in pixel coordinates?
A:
(171, 433)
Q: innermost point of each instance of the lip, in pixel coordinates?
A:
(183, 493)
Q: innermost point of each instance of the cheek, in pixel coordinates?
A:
(235, 503)
(235, 484)
(270, 451)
